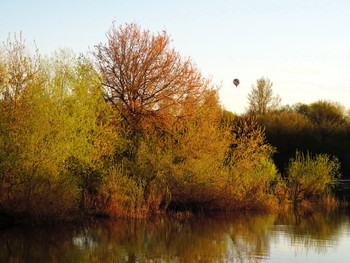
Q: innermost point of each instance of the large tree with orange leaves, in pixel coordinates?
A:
(146, 79)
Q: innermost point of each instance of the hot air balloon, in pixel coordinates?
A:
(236, 82)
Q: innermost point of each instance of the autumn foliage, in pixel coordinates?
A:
(145, 79)
(133, 131)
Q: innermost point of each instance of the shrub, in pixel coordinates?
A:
(310, 177)
(252, 189)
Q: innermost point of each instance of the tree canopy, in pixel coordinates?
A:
(138, 129)
(146, 79)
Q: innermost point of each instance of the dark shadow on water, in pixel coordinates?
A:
(230, 237)
(342, 190)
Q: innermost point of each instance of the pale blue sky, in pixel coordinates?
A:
(303, 46)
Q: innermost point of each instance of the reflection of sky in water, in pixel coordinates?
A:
(287, 249)
(84, 241)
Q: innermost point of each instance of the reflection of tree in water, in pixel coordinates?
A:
(314, 232)
(228, 238)
(40, 244)
(249, 237)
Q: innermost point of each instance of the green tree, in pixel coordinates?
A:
(52, 112)
(324, 114)
(89, 126)
(30, 180)
(251, 170)
(195, 156)
(288, 131)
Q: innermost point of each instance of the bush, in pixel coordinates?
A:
(252, 189)
(311, 177)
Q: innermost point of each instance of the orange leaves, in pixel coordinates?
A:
(144, 78)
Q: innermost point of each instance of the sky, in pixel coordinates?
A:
(302, 46)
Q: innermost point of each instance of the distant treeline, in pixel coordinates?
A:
(319, 127)
(136, 129)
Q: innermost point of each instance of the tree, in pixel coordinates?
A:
(56, 132)
(17, 70)
(30, 139)
(250, 168)
(145, 79)
(324, 114)
(261, 99)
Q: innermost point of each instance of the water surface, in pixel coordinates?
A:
(285, 237)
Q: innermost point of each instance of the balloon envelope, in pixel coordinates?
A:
(236, 82)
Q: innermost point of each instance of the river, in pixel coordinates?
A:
(241, 237)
